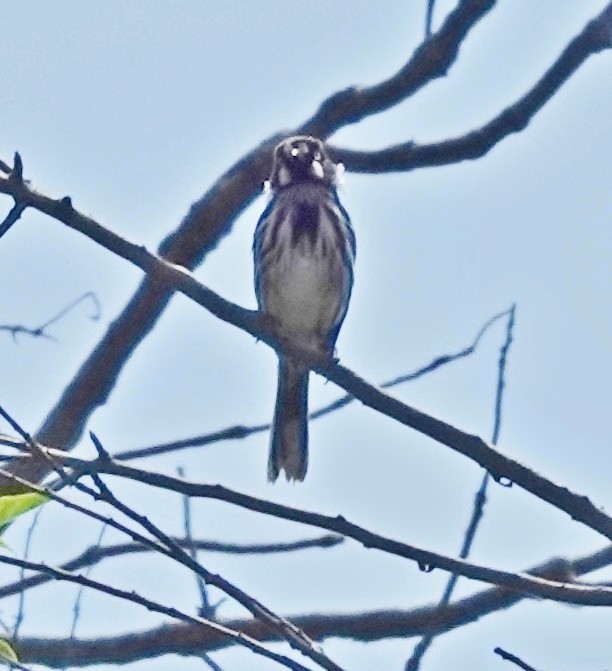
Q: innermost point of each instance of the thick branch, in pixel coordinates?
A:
(368, 626)
(596, 36)
(431, 60)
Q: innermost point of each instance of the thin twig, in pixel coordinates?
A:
(429, 17)
(34, 449)
(26, 554)
(424, 644)
(509, 657)
(206, 610)
(12, 217)
(153, 544)
(41, 331)
(242, 639)
(76, 609)
(94, 555)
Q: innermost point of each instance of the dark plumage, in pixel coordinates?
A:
(304, 249)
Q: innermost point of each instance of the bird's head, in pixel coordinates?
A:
(299, 159)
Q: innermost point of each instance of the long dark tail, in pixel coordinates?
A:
(289, 438)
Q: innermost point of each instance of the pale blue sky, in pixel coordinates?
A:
(133, 109)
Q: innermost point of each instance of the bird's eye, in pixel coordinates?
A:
(317, 156)
(295, 151)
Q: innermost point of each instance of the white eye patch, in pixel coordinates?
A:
(295, 151)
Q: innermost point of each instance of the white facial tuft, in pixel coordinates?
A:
(340, 172)
(316, 170)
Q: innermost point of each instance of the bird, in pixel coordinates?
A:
(303, 253)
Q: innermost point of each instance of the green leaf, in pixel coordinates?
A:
(7, 652)
(13, 505)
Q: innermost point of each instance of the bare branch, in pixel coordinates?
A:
(430, 60)
(13, 216)
(95, 554)
(367, 626)
(509, 657)
(166, 546)
(76, 609)
(429, 17)
(595, 37)
(423, 645)
(41, 331)
(426, 559)
(206, 609)
(237, 637)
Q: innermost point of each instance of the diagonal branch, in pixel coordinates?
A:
(236, 637)
(426, 559)
(480, 499)
(95, 554)
(430, 60)
(368, 626)
(292, 634)
(41, 331)
(595, 37)
(160, 271)
(165, 545)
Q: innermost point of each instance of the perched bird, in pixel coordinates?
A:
(303, 249)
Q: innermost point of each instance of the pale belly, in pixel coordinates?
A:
(306, 300)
